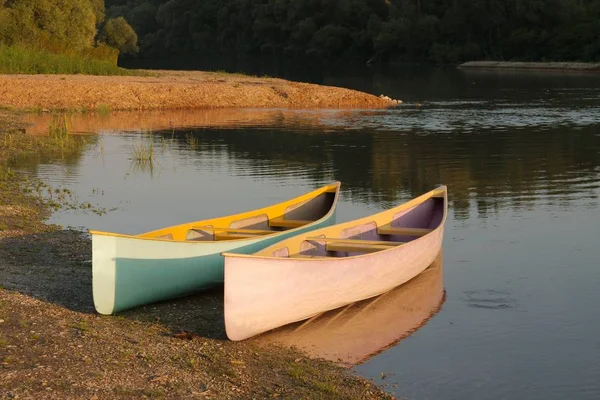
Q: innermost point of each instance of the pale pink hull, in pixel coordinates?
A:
(263, 293)
(347, 335)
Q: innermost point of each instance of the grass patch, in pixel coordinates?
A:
(19, 59)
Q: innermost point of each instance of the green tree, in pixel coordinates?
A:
(32, 21)
(119, 34)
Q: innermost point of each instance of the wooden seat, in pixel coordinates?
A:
(288, 223)
(389, 230)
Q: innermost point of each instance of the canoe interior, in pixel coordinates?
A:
(293, 216)
(286, 216)
(366, 236)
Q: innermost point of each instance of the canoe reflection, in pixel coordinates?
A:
(352, 334)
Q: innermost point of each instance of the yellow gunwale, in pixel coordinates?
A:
(179, 232)
(382, 218)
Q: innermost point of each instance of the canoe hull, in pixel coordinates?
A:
(128, 271)
(299, 280)
(292, 290)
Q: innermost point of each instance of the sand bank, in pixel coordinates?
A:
(174, 90)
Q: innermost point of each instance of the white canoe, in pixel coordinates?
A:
(327, 268)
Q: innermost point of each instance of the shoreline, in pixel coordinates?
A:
(531, 66)
(54, 345)
(174, 90)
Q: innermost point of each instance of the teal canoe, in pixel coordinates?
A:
(133, 270)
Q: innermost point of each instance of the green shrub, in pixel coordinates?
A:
(20, 59)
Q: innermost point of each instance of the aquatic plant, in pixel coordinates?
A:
(192, 141)
(61, 139)
(102, 149)
(143, 151)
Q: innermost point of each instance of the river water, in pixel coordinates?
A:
(513, 313)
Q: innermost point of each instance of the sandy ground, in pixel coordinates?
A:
(174, 90)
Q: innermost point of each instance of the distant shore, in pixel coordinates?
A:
(547, 66)
(174, 90)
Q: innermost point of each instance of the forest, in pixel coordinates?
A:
(318, 32)
(341, 31)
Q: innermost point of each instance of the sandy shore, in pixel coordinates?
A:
(174, 90)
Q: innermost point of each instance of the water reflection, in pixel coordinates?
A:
(166, 120)
(352, 334)
(486, 171)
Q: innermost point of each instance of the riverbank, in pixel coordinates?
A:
(543, 66)
(174, 90)
(54, 345)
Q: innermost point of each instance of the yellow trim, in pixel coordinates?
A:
(380, 219)
(179, 232)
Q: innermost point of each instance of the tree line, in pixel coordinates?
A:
(315, 31)
(330, 31)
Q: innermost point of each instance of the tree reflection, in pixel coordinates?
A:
(488, 171)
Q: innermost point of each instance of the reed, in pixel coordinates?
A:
(192, 141)
(58, 130)
(143, 151)
(102, 149)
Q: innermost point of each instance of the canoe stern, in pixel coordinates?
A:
(103, 273)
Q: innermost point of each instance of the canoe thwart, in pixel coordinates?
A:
(393, 230)
(233, 230)
(232, 236)
(356, 241)
(356, 248)
(310, 256)
(288, 223)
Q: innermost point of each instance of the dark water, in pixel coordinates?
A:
(520, 154)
